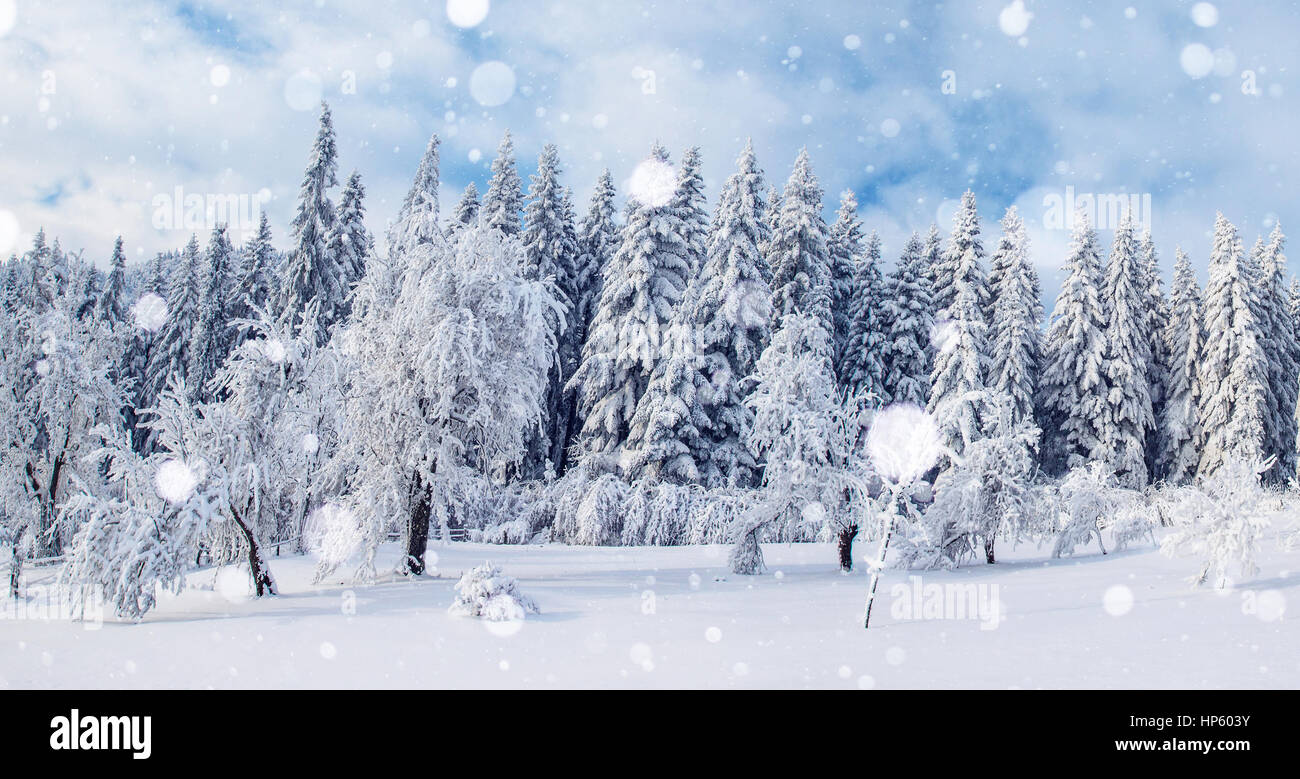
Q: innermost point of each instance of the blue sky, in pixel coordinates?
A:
(108, 104)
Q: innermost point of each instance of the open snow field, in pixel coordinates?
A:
(657, 617)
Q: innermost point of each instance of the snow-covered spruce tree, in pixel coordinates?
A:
(417, 219)
(349, 242)
(1157, 325)
(844, 245)
(255, 286)
(310, 272)
(933, 261)
(172, 355)
(692, 425)
(550, 253)
(1126, 356)
(1233, 368)
(808, 438)
(111, 305)
(801, 272)
(961, 359)
(1282, 349)
(688, 202)
(731, 315)
(908, 317)
(771, 215)
(862, 369)
(88, 282)
(456, 370)
(214, 337)
(1072, 388)
(597, 242)
(642, 285)
(1184, 335)
(466, 211)
(505, 195)
(1015, 338)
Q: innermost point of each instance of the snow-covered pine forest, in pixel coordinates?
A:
(529, 369)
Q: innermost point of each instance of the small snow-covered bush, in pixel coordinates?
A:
(487, 593)
(600, 515)
(1085, 498)
(1221, 520)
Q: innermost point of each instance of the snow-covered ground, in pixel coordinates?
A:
(674, 618)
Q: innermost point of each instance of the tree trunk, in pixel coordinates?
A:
(988, 550)
(417, 529)
(15, 570)
(846, 547)
(263, 582)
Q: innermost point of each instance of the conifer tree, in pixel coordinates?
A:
(908, 319)
(505, 195)
(1073, 388)
(1015, 347)
(862, 369)
(1233, 369)
(1181, 432)
(1157, 325)
(1126, 353)
(311, 273)
(801, 277)
(213, 337)
(844, 244)
(642, 285)
(111, 306)
(466, 212)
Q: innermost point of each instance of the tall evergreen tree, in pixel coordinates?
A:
(908, 315)
(350, 243)
(1127, 356)
(642, 285)
(1015, 340)
(1158, 368)
(862, 368)
(801, 274)
(111, 306)
(1283, 353)
(466, 212)
(689, 202)
(417, 220)
(173, 355)
(597, 242)
(311, 273)
(844, 244)
(213, 337)
(256, 282)
(1184, 334)
(1233, 368)
(692, 425)
(505, 195)
(933, 259)
(1073, 389)
(550, 250)
(961, 363)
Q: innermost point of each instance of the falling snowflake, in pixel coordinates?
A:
(653, 183)
(175, 481)
(467, 13)
(903, 442)
(1118, 600)
(149, 312)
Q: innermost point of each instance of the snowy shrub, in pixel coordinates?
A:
(638, 507)
(1221, 520)
(486, 593)
(600, 515)
(1086, 497)
(716, 515)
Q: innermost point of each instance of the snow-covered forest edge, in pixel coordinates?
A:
(517, 374)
